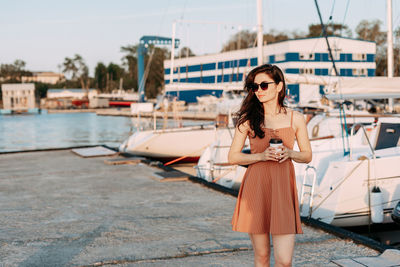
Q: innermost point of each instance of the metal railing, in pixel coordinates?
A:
(366, 136)
(311, 193)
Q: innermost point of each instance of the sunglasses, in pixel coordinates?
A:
(254, 86)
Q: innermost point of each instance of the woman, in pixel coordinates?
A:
(267, 202)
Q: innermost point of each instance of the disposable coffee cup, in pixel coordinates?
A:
(275, 142)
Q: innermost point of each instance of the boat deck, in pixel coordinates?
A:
(60, 209)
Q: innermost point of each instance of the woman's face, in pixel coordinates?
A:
(269, 94)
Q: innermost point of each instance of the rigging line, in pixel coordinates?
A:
(360, 209)
(345, 15)
(326, 37)
(340, 183)
(163, 18)
(184, 10)
(333, 7)
(330, 20)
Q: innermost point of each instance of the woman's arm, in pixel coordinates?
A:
(235, 155)
(305, 153)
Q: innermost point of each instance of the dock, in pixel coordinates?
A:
(126, 112)
(185, 115)
(59, 209)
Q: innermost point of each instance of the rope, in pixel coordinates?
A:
(223, 174)
(321, 218)
(345, 14)
(183, 157)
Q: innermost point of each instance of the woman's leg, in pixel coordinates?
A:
(262, 249)
(283, 249)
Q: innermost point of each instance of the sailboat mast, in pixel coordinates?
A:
(260, 55)
(389, 48)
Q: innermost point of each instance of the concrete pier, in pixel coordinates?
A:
(58, 209)
(185, 115)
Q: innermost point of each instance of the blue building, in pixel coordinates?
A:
(211, 74)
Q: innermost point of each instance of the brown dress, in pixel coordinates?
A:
(267, 200)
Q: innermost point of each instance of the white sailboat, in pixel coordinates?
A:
(185, 144)
(341, 192)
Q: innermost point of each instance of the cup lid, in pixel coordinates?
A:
(275, 141)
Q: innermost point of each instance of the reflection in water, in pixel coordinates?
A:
(26, 132)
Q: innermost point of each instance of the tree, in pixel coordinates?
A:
(240, 40)
(129, 61)
(114, 74)
(336, 29)
(185, 52)
(78, 70)
(155, 78)
(274, 36)
(100, 76)
(371, 31)
(396, 51)
(14, 72)
(246, 39)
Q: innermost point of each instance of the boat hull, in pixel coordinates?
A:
(185, 144)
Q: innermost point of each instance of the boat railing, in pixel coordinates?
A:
(311, 190)
(366, 136)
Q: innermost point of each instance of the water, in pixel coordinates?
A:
(40, 131)
(388, 233)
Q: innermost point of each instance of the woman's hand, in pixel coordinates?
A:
(284, 154)
(271, 153)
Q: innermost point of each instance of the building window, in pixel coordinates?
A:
(306, 56)
(280, 57)
(359, 57)
(336, 56)
(358, 72)
(307, 71)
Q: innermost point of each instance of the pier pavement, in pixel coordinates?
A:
(58, 209)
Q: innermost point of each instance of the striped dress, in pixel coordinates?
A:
(267, 200)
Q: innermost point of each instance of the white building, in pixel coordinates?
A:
(18, 96)
(70, 93)
(213, 73)
(44, 77)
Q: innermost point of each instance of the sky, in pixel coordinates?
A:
(43, 32)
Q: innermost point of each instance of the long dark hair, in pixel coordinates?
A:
(252, 109)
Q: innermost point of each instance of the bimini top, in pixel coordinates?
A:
(365, 88)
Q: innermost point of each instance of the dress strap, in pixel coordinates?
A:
(291, 120)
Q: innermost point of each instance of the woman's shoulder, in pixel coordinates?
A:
(244, 126)
(295, 112)
(298, 117)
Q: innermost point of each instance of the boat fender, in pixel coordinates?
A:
(376, 205)
(315, 131)
(396, 213)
